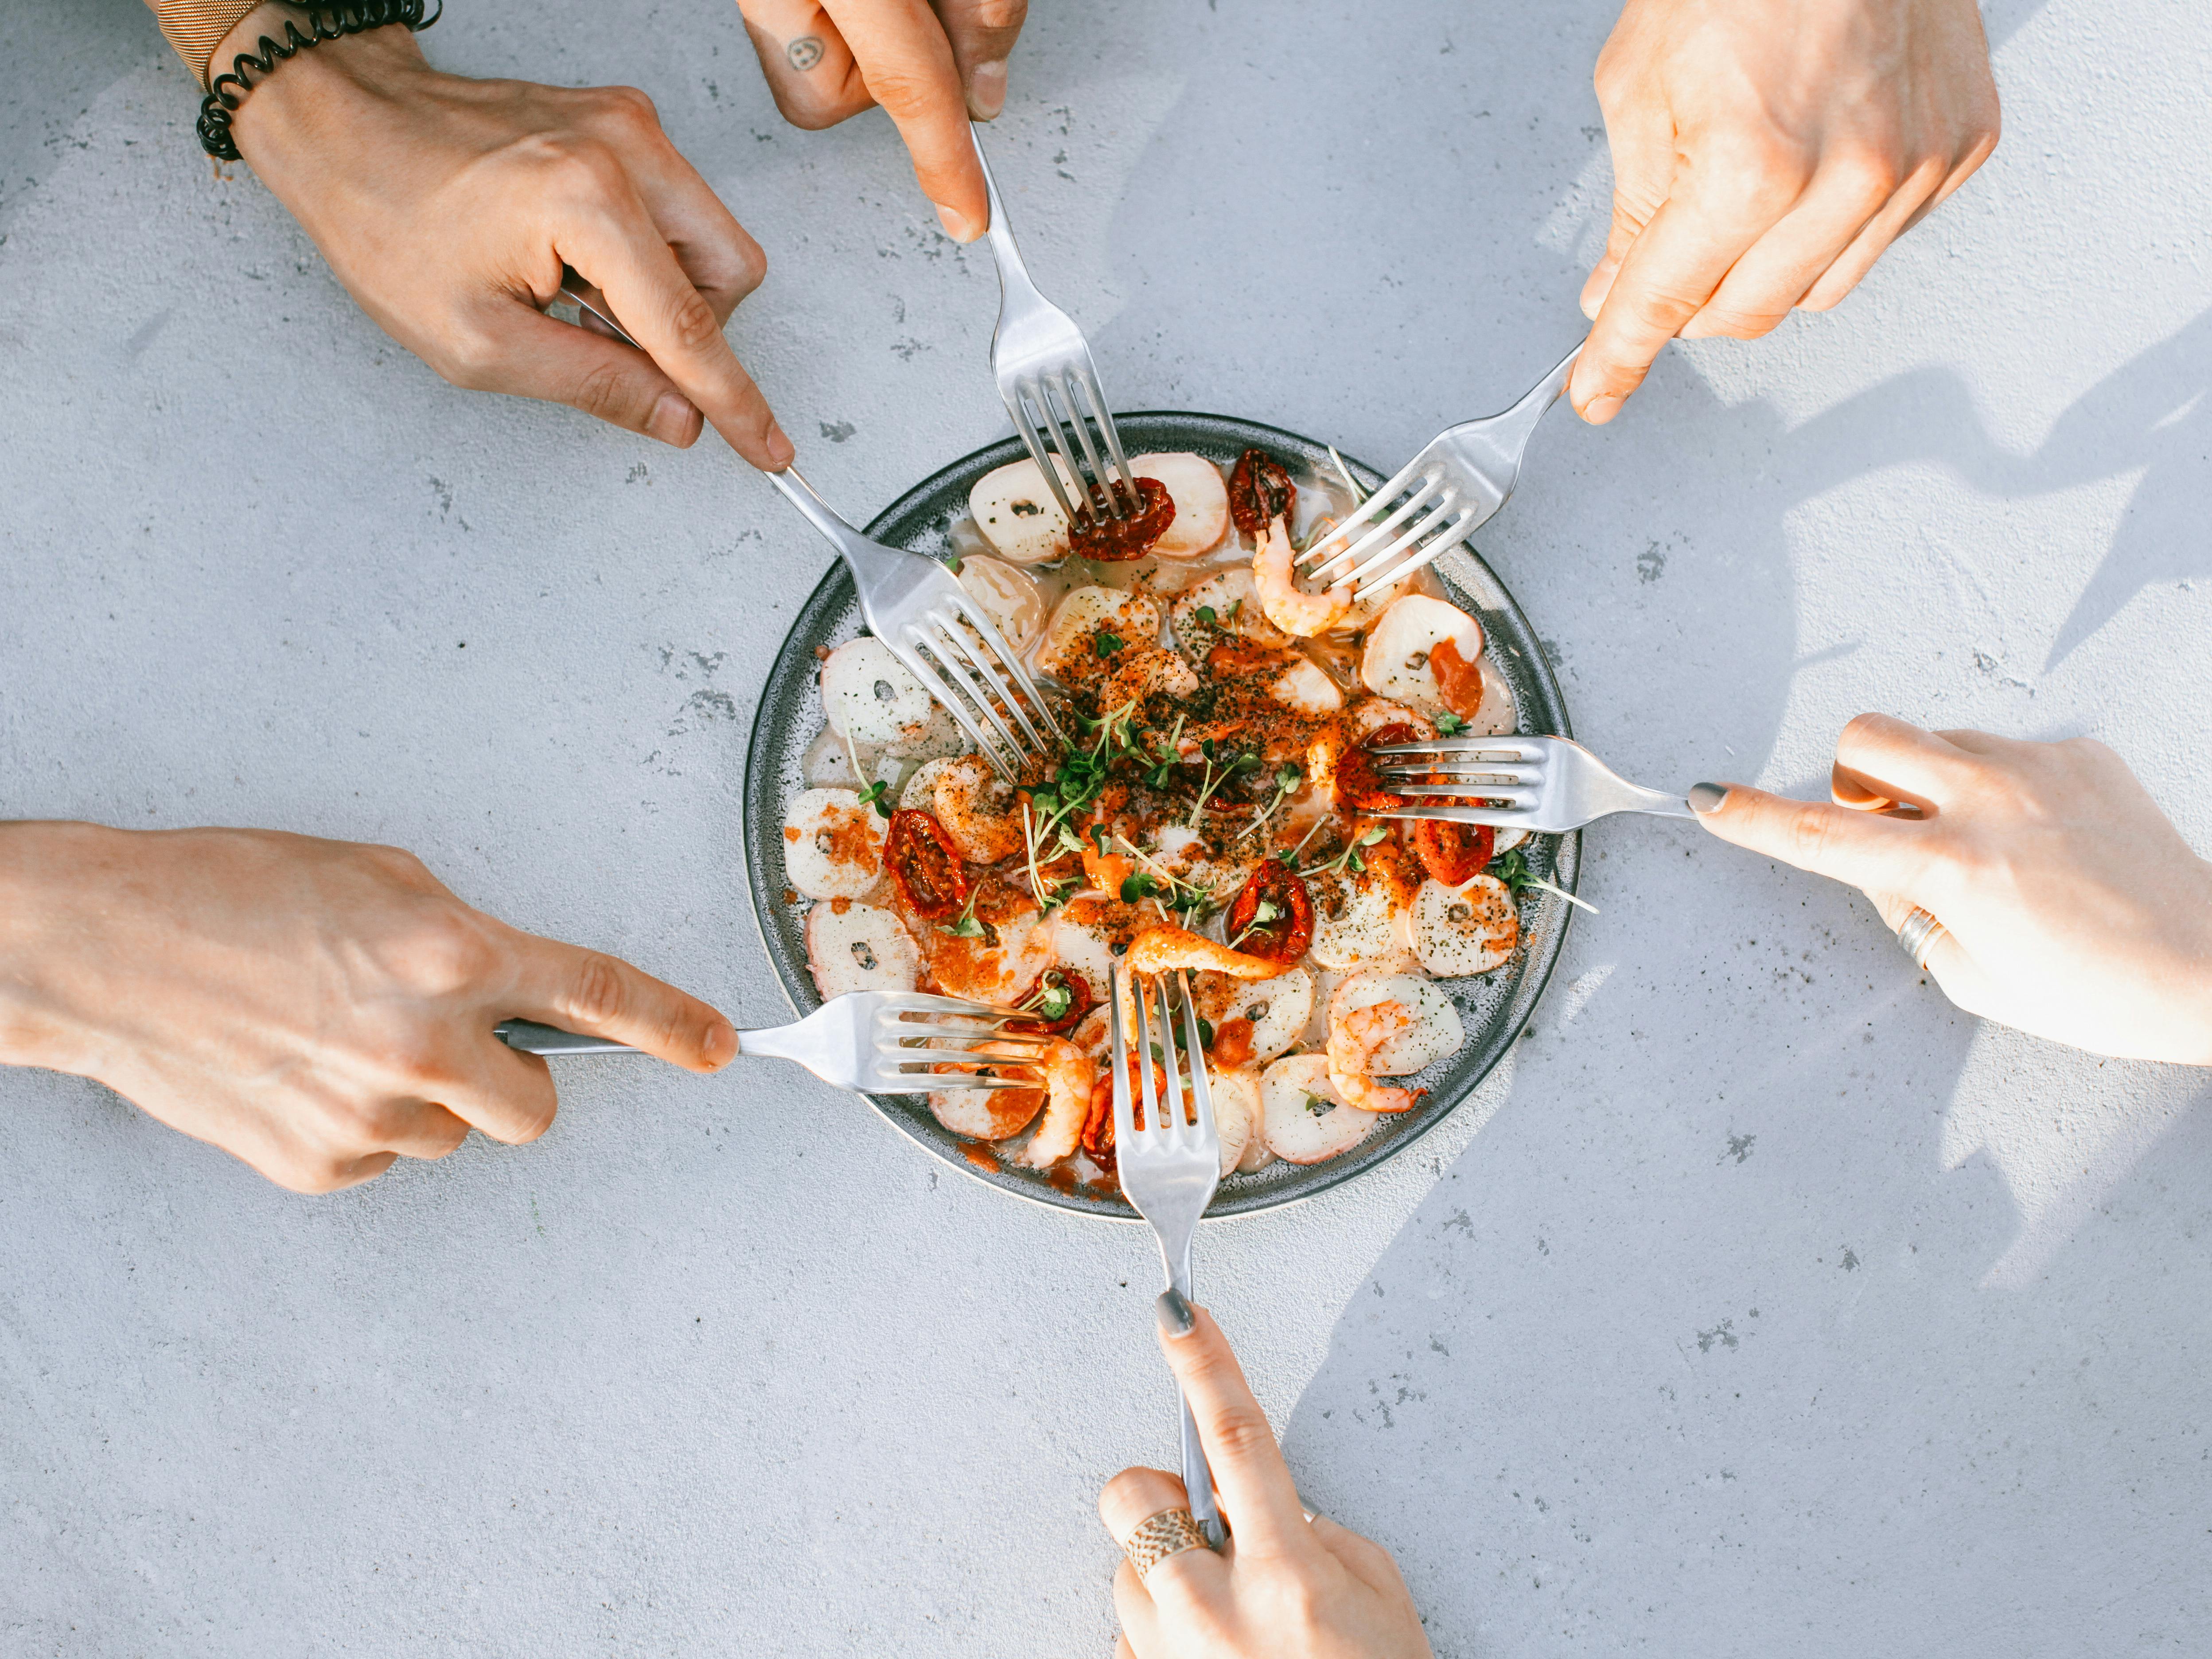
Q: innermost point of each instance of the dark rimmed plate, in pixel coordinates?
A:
(1494, 1008)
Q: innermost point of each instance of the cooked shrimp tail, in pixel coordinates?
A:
(1286, 605)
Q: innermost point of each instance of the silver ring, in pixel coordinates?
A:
(1917, 933)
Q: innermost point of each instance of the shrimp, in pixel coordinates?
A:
(1290, 609)
(1068, 1075)
(1353, 1038)
(1159, 949)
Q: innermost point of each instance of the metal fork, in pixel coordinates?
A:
(1168, 1168)
(914, 606)
(1042, 362)
(875, 1042)
(1538, 783)
(1438, 499)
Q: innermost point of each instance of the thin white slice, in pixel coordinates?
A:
(1507, 840)
(1256, 1156)
(1235, 1097)
(1082, 946)
(920, 793)
(1010, 597)
(859, 947)
(1071, 637)
(1395, 662)
(1201, 502)
(828, 763)
(1372, 927)
(1234, 599)
(833, 846)
(987, 1114)
(1305, 686)
(1434, 1035)
(1278, 1009)
(977, 809)
(1465, 930)
(1015, 509)
(1302, 1119)
(870, 698)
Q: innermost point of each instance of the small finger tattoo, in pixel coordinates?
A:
(805, 52)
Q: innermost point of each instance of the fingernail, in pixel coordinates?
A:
(956, 225)
(674, 420)
(1598, 411)
(1175, 1312)
(1707, 796)
(720, 1047)
(986, 89)
(781, 449)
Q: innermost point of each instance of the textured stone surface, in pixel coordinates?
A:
(1764, 1306)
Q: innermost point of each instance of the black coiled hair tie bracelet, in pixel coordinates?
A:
(324, 22)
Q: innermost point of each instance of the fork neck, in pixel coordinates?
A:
(866, 556)
(1014, 275)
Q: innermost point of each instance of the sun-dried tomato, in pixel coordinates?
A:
(1358, 785)
(1259, 490)
(1459, 682)
(1079, 1003)
(925, 864)
(1099, 535)
(1232, 1042)
(1455, 854)
(1282, 938)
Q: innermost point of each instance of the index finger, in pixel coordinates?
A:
(1669, 272)
(1254, 1483)
(613, 243)
(601, 995)
(1864, 849)
(907, 62)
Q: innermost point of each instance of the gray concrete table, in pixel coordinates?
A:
(1764, 1305)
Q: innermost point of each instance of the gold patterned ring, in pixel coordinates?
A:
(1169, 1533)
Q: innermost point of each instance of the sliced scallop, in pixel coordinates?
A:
(1071, 639)
(977, 808)
(1010, 597)
(1395, 662)
(1233, 599)
(1018, 513)
(1201, 502)
(852, 946)
(1305, 686)
(1374, 923)
(871, 699)
(1465, 930)
(1278, 1008)
(1301, 1117)
(1434, 1035)
(985, 1114)
(833, 845)
(1235, 1097)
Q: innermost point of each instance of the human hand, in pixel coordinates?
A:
(931, 63)
(1287, 1583)
(315, 1008)
(2071, 908)
(448, 206)
(1765, 154)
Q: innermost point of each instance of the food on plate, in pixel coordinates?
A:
(1214, 816)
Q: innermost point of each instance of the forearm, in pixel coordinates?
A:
(42, 866)
(196, 27)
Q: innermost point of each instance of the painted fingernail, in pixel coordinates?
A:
(673, 421)
(1707, 796)
(1598, 411)
(956, 225)
(986, 89)
(1175, 1312)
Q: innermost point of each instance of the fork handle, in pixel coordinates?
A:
(1197, 1474)
(554, 1043)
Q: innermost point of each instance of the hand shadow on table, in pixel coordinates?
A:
(63, 54)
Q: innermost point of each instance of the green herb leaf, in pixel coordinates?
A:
(1106, 644)
(1205, 614)
(1316, 1105)
(878, 795)
(1450, 726)
(1137, 886)
(1204, 1033)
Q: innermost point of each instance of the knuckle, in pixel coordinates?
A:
(813, 109)
(693, 322)
(605, 391)
(629, 105)
(1808, 837)
(598, 991)
(1001, 15)
(470, 357)
(1869, 175)
(1240, 1432)
(446, 952)
(901, 90)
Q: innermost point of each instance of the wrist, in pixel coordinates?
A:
(46, 872)
(307, 97)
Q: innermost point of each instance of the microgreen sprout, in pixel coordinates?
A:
(878, 795)
(1344, 472)
(1349, 855)
(965, 926)
(1287, 778)
(1106, 644)
(1189, 901)
(1450, 725)
(1228, 766)
(1205, 614)
(1267, 911)
(1512, 868)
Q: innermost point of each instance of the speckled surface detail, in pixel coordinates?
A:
(1761, 1305)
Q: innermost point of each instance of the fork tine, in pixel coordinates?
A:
(1466, 792)
(995, 664)
(926, 1002)
(1065, 386)
(1033, 440)
(1505, 817)
(1434, 774)
(1057, 437)
(1422, 493)
(945, 642)
(1002, 1045)
(1125, 1129)
(1367, 579)
(1172, 1125)
(1201, 1092)
(1095, 395)
(941, 1082)
(1412, 536)
(937, 687)
(1372, 508)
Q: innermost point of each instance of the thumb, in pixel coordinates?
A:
(539, 357)
(597, 994)
(1864, 849)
